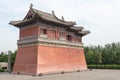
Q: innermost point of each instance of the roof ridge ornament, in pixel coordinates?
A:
(53, 13)
(31, 6)
(63, 18)
(57, 17)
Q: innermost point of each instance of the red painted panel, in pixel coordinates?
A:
(29, 31)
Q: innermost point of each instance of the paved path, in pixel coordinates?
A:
(84, 75)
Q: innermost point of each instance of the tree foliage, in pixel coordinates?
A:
(3, 57)
(109, 54)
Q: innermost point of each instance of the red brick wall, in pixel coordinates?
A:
(29, 31)
(52, 59)
(40, 59)
(26, 60)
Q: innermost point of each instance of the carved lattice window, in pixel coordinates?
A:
(62, 35)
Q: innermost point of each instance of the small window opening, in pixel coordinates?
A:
(43, 31)
(69, 37)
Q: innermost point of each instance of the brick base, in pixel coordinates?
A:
(49, 59)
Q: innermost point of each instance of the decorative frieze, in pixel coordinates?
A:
(48, 42)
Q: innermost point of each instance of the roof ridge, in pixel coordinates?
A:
(37, 11)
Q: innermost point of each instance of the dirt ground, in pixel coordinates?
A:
(83, 75)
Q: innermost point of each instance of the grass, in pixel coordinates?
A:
(114, 66)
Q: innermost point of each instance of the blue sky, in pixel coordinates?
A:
(101, 17)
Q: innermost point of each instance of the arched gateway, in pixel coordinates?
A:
(48, 44)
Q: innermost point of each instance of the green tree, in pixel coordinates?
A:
(109, 54)
(89, 57)
(3, 57)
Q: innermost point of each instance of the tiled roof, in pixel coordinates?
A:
(84, 32)
(52, 17)
(45, 16)
(77, 28)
